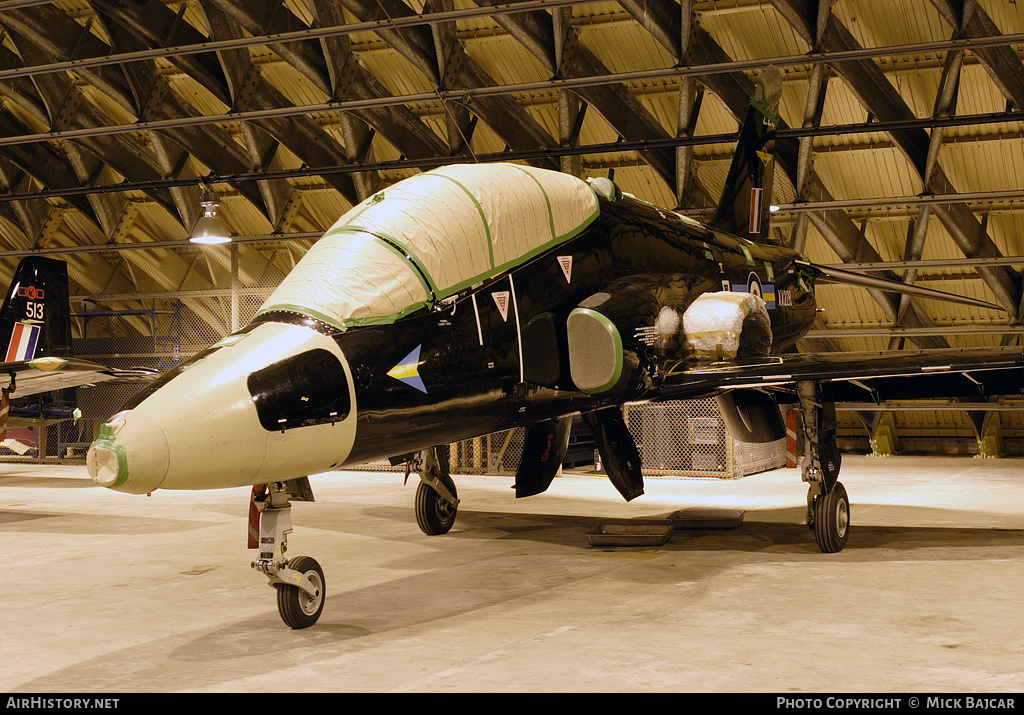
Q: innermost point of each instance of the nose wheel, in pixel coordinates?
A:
(299, 582)
(435, 515)
(298, 608)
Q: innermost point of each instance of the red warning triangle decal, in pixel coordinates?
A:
(566, 263)
(501, 300)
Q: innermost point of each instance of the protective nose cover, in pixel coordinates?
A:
(201, 430)
(131, 439)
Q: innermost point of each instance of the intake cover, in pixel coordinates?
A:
(595, 351)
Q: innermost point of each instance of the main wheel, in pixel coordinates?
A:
(832, 519)
(434, 515)
(297, 608)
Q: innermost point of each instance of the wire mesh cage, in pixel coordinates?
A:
(683, 438)
(688, 438)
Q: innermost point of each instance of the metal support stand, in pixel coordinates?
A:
(810, 463)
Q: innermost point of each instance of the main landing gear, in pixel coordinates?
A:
(299, 582)
(437, 501)
(828, 506)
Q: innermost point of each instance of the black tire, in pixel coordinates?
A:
(832, 520)
(434, 515)
(297, 608)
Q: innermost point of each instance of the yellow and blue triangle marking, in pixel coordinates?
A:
(407, 370)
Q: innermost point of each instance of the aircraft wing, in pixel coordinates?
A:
(861, 376)
(47, 374)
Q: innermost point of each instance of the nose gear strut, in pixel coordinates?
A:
(300, 583)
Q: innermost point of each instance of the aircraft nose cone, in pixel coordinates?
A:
(130, 455)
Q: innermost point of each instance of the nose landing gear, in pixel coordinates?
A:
(299, 582)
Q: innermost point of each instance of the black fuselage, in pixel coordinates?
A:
(478, 362)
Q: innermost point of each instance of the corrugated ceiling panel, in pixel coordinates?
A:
(506, 60)
(755, 33)
(644, 182)
(194, 93)
(623, 47)
(867, 173)
(1008, 15)
(1008, 230)
(880, 23)
(969, 164)
(977, 93)
(392, 70)
(661, 99)
(714, 118)
(295, 86)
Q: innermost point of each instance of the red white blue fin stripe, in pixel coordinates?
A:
(24, 339)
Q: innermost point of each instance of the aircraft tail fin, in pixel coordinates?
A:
(35, 318)
(744, 207)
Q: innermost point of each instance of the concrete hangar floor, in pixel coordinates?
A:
(104, 592)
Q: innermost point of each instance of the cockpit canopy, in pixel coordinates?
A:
(429, 237)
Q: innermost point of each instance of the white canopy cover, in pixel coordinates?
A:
(430, 236)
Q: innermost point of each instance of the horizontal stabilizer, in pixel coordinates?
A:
(837, 275)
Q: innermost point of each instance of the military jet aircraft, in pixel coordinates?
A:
(476, 298)
(35, 333)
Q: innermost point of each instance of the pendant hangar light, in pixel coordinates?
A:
(210, 228)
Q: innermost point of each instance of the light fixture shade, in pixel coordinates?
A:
(210, 229)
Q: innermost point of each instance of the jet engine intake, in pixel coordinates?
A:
(598, 360)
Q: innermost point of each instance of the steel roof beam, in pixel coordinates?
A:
(156, 25)
(155, 98)
(150, 21)
(568, 57)
(838, 230)
(880, 98)
(329, 64)
(945, 105)
(1001, 61)
(66, 107)
(735, 90)
(131, 89)
(505, 116)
